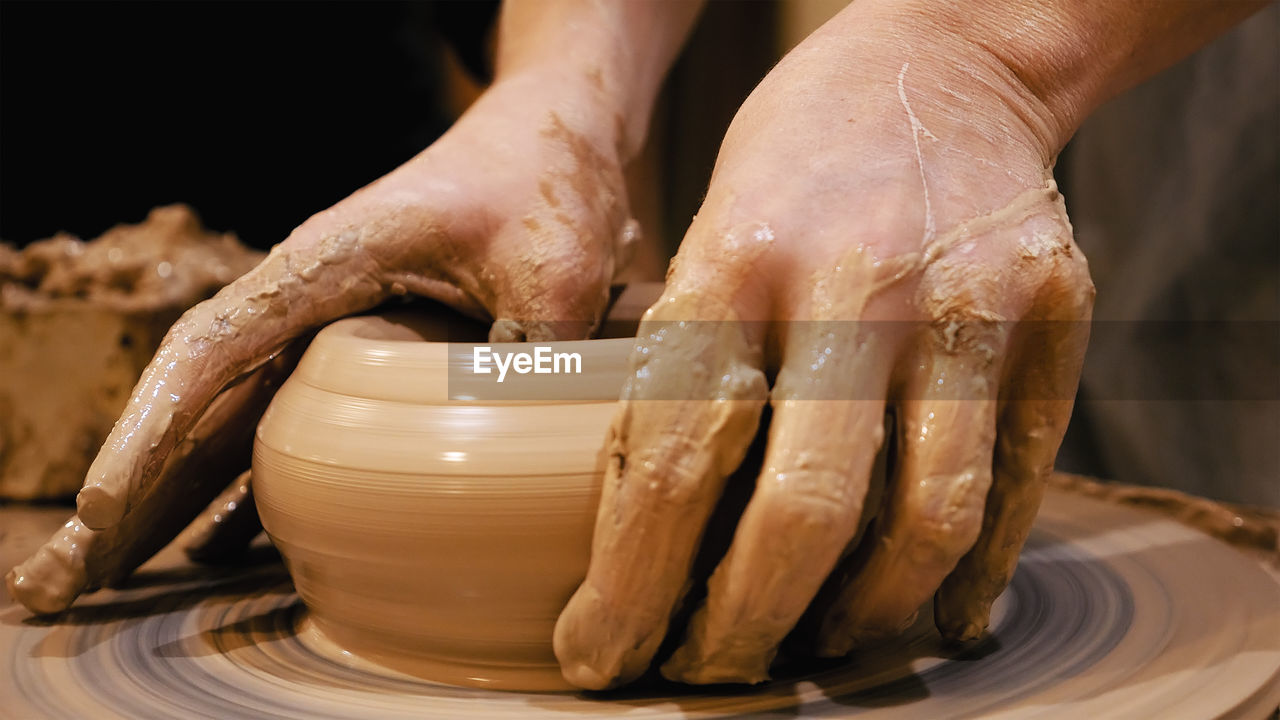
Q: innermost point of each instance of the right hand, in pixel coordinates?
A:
(881, 231)
(519, 214)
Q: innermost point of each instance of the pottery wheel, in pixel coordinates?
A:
(1113, 613)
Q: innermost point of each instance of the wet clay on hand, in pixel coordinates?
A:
(919, 260)
(78, 558)
(691, 405)
(528, 233)
(533, 247)
(78, 322)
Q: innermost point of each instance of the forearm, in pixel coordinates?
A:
(622, 48)
(1073, 56)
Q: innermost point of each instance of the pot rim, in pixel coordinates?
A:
(403, 356)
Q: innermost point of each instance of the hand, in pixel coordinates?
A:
(882, 231)
(519, 214)
(78, 558)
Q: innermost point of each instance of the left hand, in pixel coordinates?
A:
(882, 230)
(528, 231)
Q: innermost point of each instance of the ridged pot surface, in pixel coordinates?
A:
(434, 535)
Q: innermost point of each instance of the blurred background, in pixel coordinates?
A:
(260, 114)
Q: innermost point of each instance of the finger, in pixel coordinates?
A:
(300, 284)
(1032, 424)
(934, 506)
(690, 410)
(555, 283)
(550, 270)
(805, 510)
(77, 557)
(224, 530)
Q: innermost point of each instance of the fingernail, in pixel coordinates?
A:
(585, 677)
(962, 624)
(46, 583)
(506, 331)
(97, 508)
(963, 632)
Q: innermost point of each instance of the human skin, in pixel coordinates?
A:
(882, 230)
(518, 214)
(78, 558)
(895, 167)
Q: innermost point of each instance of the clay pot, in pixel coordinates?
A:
(437, 533)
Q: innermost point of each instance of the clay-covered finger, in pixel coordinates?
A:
(555, 282)
(548, 271)
(224, 530)
(300, 284)
(77, 558)
(826, 430)
(690, 408)
(1032, 423)
(934, 505)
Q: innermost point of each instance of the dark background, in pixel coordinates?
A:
(257, 114)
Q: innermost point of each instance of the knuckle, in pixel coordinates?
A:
(1028, 455)
(700, 361)
(723, 257)
(813, 500)
(669, 474)
(1051, 256)
(946, 524)
(1077, 279)
(969, 330)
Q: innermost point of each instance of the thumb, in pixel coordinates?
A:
(557, 288)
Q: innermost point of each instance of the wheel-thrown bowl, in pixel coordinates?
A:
(435, 522)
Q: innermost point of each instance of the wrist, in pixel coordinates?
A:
(560, 90)
(879, 52)
(615, 53)
(1063, 60)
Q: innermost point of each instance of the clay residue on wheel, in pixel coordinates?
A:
(1253, 530)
